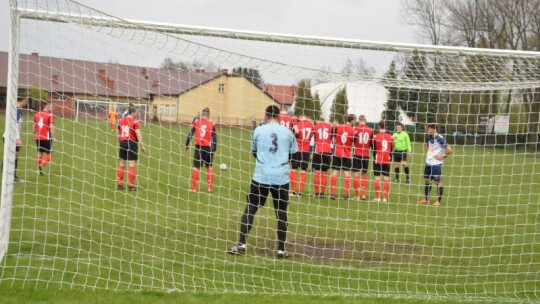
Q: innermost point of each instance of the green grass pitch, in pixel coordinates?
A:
(75, 237)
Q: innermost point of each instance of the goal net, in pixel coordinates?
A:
(72, 228)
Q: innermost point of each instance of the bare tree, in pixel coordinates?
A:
(497, 24)
(428, 15)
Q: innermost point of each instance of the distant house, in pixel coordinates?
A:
(170, 94)
(282, 94)
(233, 99)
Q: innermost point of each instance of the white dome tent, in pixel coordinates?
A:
(365, 98)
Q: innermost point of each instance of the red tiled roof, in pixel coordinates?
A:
(282, 94)
(101, 79)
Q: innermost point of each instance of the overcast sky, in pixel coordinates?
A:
(351, 19)
(354, 19)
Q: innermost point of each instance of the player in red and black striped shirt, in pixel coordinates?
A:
(341, 160)
(130, 137)
(205, 134)
(383, 144)
(363, 143)
(303, 130)
(322, 157)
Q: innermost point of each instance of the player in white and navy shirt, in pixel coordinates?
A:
(437, 150)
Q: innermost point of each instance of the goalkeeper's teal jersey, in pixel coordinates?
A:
(273, 144)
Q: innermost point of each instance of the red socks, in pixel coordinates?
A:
(210, 178)
(131, 176)
(347, 185)
(377, 188)
(317, 182)
(120, 176)
(324, 179)
(47, 159)
(386, 188)
(38, 160)
(294, 179)
(194, 179)
(303, 177)
(357, 186)
(364, 184)
(333, 183)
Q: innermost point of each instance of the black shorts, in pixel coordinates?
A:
(321, 162)
(44, 146)
(381, 169)
(399, 156)
(341, 163)
(203, 155)
(360, 163)
(258, 193)
(129, 150)
(300, 160)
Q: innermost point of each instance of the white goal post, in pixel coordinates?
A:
(77, 226)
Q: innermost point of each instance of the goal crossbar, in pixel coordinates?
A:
(170, 28)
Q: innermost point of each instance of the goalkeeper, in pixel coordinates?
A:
(272, 145)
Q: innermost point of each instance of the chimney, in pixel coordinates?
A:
(102, 74)
(224, 71)
(155, 83)
(110, 84)
(144, 73)
(55, 78)
(35, 54)
(199, 70)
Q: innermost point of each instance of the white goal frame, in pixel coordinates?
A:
(120, 107)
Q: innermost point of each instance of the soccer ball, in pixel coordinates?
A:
(223, 167)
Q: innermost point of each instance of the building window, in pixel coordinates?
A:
(167, 110)
(221, 88)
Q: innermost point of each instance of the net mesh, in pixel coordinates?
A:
(71, 228)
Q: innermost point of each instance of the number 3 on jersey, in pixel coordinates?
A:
(274, 147)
